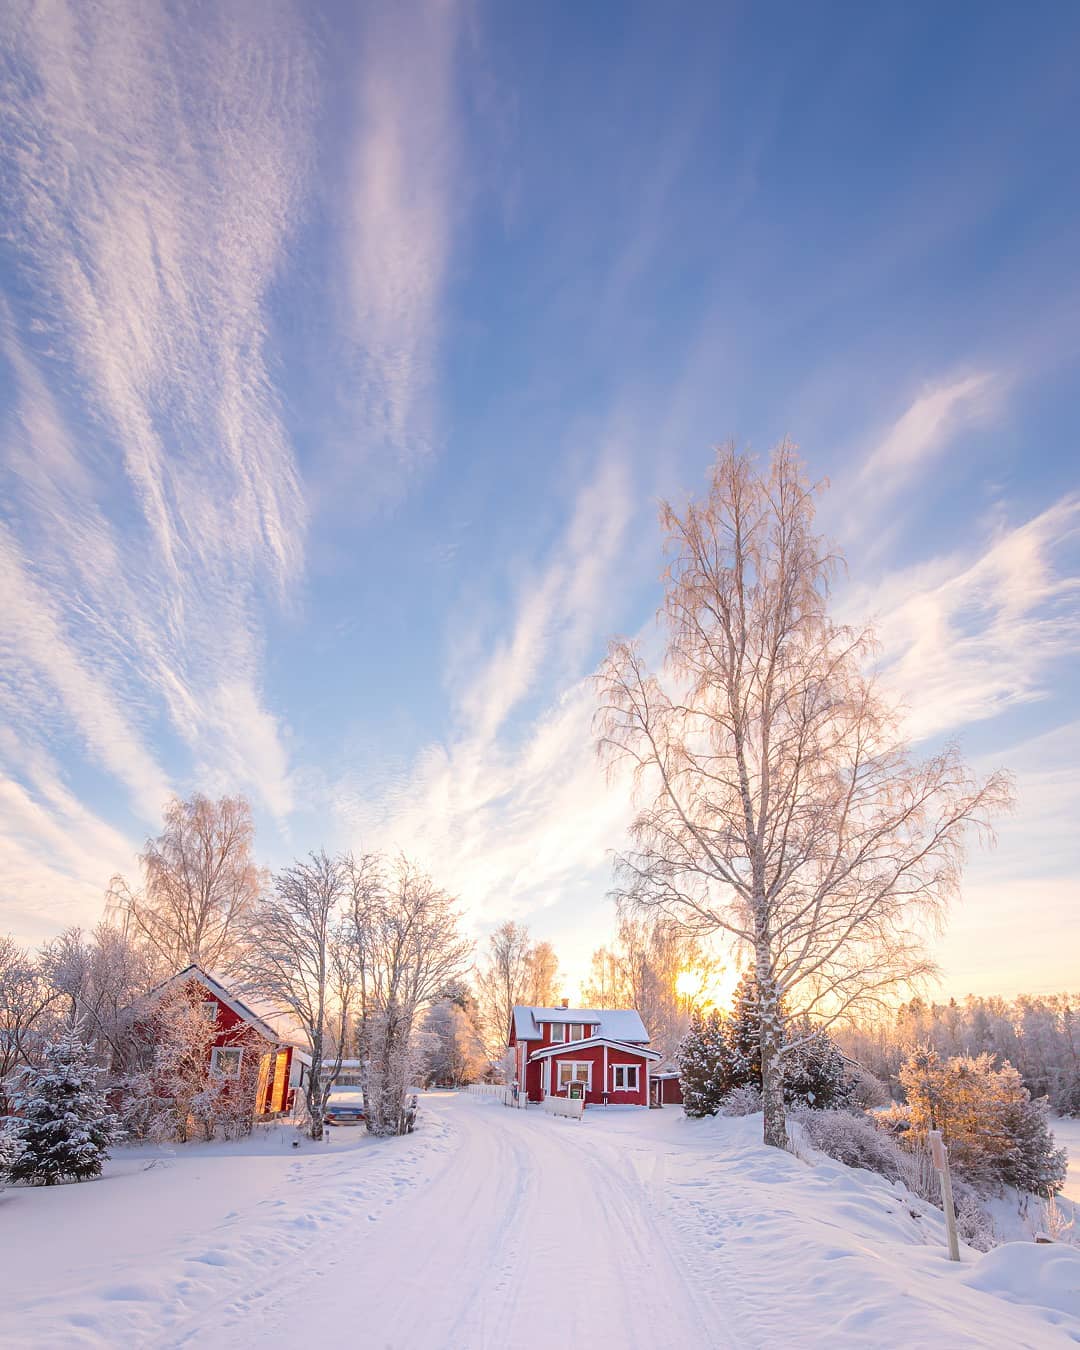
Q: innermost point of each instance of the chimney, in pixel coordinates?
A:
(566, 1003)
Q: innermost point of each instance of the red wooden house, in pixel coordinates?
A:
(244, 1050)
(602, 1054)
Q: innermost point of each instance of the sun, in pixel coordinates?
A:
(708, 989)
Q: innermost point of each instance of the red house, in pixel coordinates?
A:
(244, 1050)
(602, 1054)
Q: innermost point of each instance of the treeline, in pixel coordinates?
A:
(1039, 1035)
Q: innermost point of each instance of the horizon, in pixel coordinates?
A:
(344, 357)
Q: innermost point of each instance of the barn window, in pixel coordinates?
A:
(578, 1031)
(624, 1077)
(225, 1060)
(208, 1010)
(574, 1071)
(558, 1031)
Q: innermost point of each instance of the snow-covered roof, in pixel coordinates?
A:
(616, 1024)
(591, 1043)
(219, 991)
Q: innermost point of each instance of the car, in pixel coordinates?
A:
(344, 1113)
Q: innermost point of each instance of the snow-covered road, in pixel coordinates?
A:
(497, 1228)
(524, 1236)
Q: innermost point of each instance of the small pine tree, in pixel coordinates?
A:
(704, 1062)
(743, 1033)
(815, 1071)
(63, 1127)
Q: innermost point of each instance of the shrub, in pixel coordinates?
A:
(741, 1101)
(997, 1136)
(857, 1141)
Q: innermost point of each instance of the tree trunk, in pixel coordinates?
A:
(772, 1063)
(316, 1102)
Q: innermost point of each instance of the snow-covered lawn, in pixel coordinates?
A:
(1067, 1132)
(491, 1227)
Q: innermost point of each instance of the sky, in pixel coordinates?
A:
(346, 351)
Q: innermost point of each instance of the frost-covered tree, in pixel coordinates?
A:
(25, 1001)
(200, 883)
(704, 1060)
(514, 969)
(63, 1127)
(300, 957)
(454, 1052)
(782, 805)
(996, 1134)
(816, 1073)
(743, 1030)
(98, 977)
(409, 948)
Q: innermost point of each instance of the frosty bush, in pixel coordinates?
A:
(64, 1127)
(997, 1136)
(741, 1101)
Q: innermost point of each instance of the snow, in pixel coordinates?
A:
(616, 1024)
(494, 1227)
(1067, 1133)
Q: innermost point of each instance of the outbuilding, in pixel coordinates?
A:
(599, 1054)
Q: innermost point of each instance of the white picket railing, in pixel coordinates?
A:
(574, 1107)
(499, 1091)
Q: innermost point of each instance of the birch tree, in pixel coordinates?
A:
(300, 957)
(515, 970)
(781, 805)
(200, 882)
(409, 949)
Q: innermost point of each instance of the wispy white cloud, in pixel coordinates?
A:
(971, 633)
(402, 177)
(514, 812)
(155, 171)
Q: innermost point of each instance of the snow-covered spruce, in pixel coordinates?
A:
(721, 1056)
(63, 1128)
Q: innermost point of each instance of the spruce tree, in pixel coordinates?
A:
(704, 1064)
(63, 1126)
(743, 1033)
(815, 1072)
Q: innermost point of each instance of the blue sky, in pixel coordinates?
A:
(345, 350)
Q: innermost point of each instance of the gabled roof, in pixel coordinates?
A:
(619, 1024)
(591, 1043)
(215, 987)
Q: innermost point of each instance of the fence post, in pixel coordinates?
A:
(940, 1156)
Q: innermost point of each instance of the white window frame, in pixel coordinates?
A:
(209, 1011)
(625, 1069)
(215, 1060)
(573, 1064)
(558, 1032)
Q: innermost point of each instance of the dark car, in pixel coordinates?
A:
(344, 1113)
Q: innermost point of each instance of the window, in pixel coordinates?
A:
(208, 1010)
(558, 1031)
(571, 1071)
(225, 1060)
(578, 1031)
(624, 1077)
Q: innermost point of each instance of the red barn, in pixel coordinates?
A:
(600, 1053)
(244, 1050)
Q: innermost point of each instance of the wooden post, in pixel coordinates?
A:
(940, 1156)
